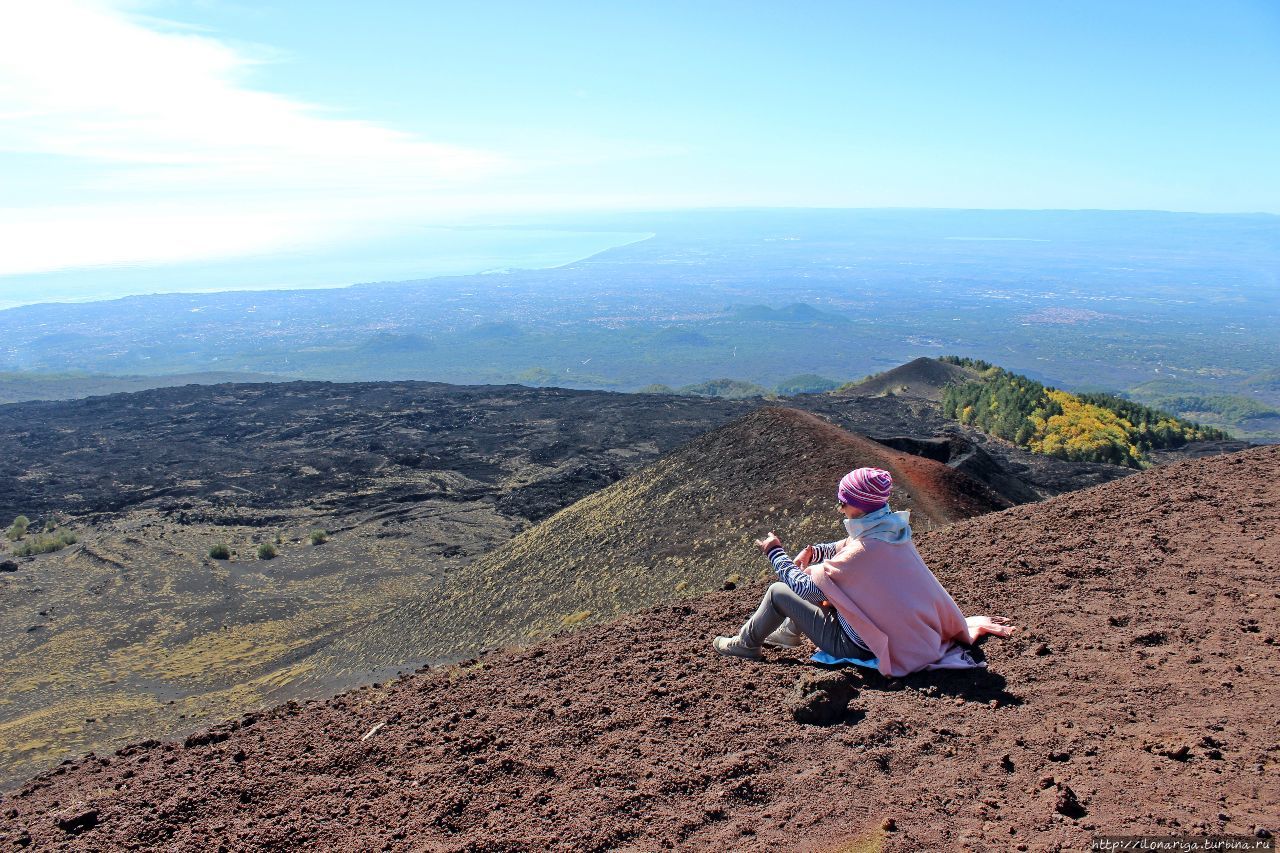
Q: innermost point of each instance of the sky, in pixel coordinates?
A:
(163, 132)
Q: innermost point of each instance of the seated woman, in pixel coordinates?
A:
(867, 596)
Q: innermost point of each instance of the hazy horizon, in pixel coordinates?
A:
(421, 252)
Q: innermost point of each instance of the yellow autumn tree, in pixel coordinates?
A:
(1084, 432)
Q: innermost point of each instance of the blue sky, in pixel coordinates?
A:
(172, 131)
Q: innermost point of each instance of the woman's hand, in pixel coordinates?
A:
(805, 557)
(768, 543)
(997, 626)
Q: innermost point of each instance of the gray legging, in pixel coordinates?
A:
(819, 624)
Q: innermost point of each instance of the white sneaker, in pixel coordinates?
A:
(736, 648)
(786, 637)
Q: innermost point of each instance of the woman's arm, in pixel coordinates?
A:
(794, 577)
(818, 553)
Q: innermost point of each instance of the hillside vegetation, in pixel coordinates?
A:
(1078, 427)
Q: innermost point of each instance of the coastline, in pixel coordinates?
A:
(56, 287)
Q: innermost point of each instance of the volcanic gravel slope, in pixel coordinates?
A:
(136, 630)
(924, 378)
(680, 526)
(1138, 699)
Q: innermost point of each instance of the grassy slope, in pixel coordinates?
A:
(682, 526)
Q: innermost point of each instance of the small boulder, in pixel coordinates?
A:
(8, 566)
(75, 821)
(1178, 752)
(820, 698)
(1068, 803)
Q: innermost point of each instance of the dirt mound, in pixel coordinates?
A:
(924, 378)
(680, 526)
(1136, 701)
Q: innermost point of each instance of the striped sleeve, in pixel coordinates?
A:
(791, 575)
(825, 551)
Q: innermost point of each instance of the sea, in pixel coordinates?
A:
(408, 254)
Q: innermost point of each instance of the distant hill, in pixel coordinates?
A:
(20, 387)
(729, 389)
(389, 342)
(494, 331)
(806, 383)
(924, 378)
(1133, 702)
(797, 312)
(682, 525)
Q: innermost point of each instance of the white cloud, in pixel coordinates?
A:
(191, 160)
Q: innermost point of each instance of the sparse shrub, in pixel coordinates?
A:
(267, 551)
(46, 543)
(279, 539)
(220, 552)
(319, 537)
(18, 529)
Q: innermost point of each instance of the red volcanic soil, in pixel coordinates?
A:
(1138, 699)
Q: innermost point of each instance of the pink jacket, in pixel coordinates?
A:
(889, 596)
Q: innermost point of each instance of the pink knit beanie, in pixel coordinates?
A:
(865, 488)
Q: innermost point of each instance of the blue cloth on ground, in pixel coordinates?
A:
(827, 659)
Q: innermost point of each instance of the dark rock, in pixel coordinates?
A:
(1180, 752)
(203, 738)
(8, 566)
(77, 820)
(1151, 638)
(820, 698)
(1068, 803)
